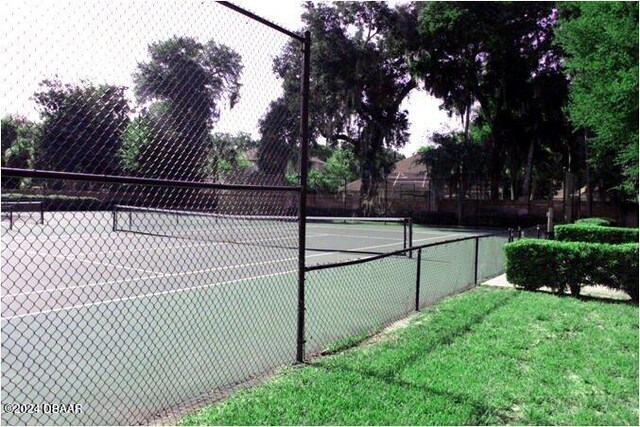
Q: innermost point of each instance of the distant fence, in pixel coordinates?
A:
(422, 207)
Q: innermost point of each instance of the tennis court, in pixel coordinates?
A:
(89, 307)
(85, 260)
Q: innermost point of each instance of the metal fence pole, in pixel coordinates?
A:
(302, 212)
(475, 262)
(418, 268)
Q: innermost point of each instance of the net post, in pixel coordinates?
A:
(418, 273)
(538, 231)
(475, 262)
(410, 225)
(404, 236)
(302, 211)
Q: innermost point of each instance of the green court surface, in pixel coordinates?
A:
(96, 316)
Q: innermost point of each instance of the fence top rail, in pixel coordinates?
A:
(261, 20)
(359, 218)
(20, 203)
(133, 180)
(398, 252)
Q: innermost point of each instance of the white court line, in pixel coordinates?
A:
(137, 279)
(293, 237)
(184, 274)
(379, 246)
(151, 248)
(360, 237)
(187, 273)
(70, 258)
(398, 226)
(135, 297)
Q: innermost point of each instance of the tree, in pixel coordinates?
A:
(279, 135)
(181, 87)
(20, 139)
(228, 153)
(82, 126)
(454, 163)
(600, 44)
(340, 168)
(490, 55)
(359, 78)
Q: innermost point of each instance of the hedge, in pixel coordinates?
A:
(595, 221)
(532, 264)
(595, 234)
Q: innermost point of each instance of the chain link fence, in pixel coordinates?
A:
(151, 243)
(348, 301)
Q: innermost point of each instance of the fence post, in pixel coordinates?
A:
(302, 212)
(537, 231)
(418, 268)
(475, 263)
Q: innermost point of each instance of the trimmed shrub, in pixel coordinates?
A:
(595, 234)
(532, 264)
(595, 221)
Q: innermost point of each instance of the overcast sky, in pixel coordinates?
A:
(102, 41)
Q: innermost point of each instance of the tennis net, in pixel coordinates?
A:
(325, 234)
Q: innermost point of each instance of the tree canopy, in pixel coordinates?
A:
(359, 78)
(180, 88)
(600, 45)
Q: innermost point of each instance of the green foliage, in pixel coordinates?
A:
(595, 221)
(279, 135)
(600, 42)
(182, 85)
(339, 168)
(228, 153)
(135, 139)
(532, 264)
(359, 78)
(454, 162)
(498, 59)
(595, 234)
(20, 139)
(82, 126)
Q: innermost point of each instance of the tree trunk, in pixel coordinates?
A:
(460, 194)
(525, 193)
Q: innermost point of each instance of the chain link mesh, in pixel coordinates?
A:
(356, 299)
(446, 269)
(113, 311)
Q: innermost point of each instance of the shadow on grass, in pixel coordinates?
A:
(390, 374)
(480, 412)
(587, 298)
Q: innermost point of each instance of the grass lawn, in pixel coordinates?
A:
(489, 356)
